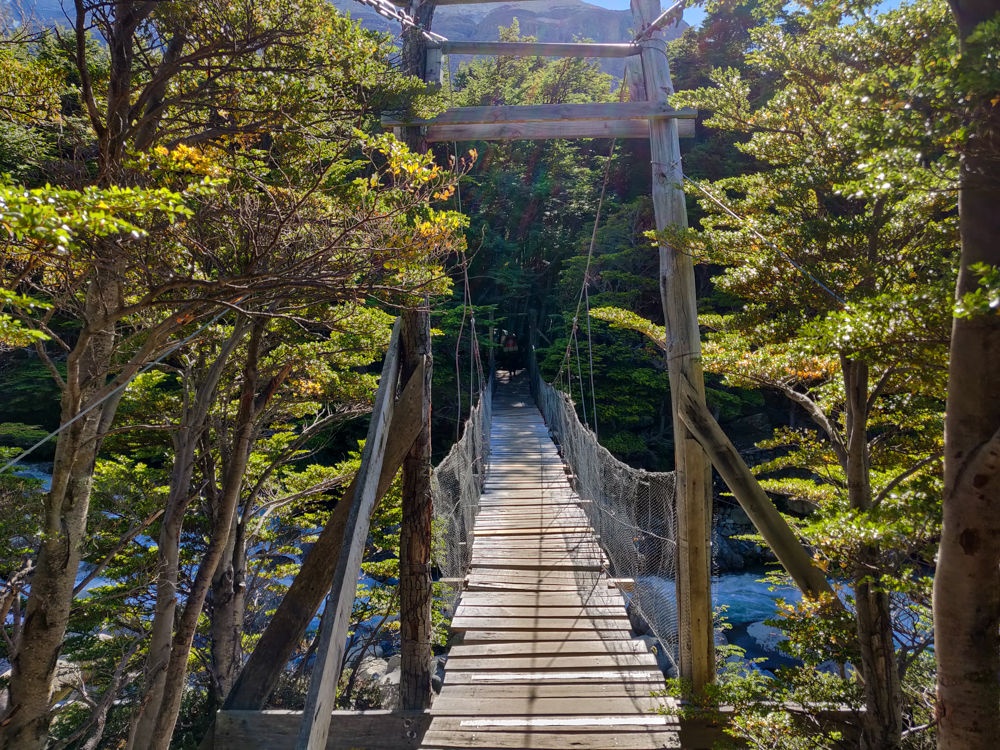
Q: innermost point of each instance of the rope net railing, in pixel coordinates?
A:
(456, 485)
(633, 512)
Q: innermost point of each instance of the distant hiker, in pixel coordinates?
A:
(510, 353)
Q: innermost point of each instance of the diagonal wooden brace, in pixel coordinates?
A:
(299, 605)
(750, 495)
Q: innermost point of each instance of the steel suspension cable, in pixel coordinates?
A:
(586, 277)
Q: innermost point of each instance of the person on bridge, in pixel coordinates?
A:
(511, 353)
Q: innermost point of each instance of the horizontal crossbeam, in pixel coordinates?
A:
(535, 131)
(406, 3)
(558, 113)
(533, 49)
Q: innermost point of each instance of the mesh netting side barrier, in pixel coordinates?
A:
(633, 511)
(456, 485)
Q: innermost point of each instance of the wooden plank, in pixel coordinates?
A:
(583, 549)
(529, 521)
(550, 689)
(514, 586)
(563, 648)
(536, 49)
(561, 624)
(581, 566)
(276, 730)
(575, 677)
(539, 113)
(333, 636)
(533, 706)
(532, 532)
(550, 130)
(519, 636)
(594, 611)
(541, 738)
(554, 662)
(564, 599)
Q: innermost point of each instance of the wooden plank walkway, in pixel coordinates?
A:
(547, 658)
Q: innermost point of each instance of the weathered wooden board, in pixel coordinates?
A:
(530, 532)
(642, 662)
(500, 610)
(563, 599)
(526, 636)
(537, 677)
(277, 730)
(534, 706)
(556, 689)
(550, 130)
(560, 624)
(533, 49)
(564, 648)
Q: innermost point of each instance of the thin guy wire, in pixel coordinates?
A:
(593, 240)
(766, 241)
(100, 401)
(590, 354)
(579, 371)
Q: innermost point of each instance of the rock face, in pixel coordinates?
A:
(730, 555)
(549, 20)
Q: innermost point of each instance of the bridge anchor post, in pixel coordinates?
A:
(677, 291)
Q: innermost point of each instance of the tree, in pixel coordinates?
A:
(324, 227)
(837, 260)
(967, 584)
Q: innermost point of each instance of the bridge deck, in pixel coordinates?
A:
(547, 658)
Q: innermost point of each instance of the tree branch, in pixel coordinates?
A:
(132, 533)
(906, 475)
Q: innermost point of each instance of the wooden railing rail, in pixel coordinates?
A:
(315, 725)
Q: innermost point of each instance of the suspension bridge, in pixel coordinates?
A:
(577, 582)
(555, 553)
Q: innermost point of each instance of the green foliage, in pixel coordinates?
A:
(986, 299)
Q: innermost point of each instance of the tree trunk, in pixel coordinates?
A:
(882, 721)
(193, 420)
(415, 591)
(25, 725)
(180, 648)
(226, 624)
(967, 580)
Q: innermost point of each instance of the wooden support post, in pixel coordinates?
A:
(333, 634)
(750, 495)
(677, 290)
(415, 589)
(415, 584)
(434, 69)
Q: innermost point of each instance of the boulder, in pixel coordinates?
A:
(767, 637)
(373, 668)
